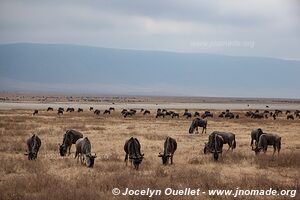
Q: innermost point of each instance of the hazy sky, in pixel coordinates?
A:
(233, 27)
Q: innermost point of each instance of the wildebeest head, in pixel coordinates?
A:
(192, 127)
(164, 157)
(62, 150)
(90, 160)
(137, 161)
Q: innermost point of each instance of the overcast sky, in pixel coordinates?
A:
(233, 27)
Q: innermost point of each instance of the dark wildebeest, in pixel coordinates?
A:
(70, 110)
(187, 114)
(237, 116)
(257, 115)
(111, 109)
(169, 113)
(170, 147)
(83, 147)
(175, 115)
(297, 115)
(97, 112)
(142, 110)
(59, 111)
(229, 115)
(133, 111)
(274, 116)
(60, 108)
(207, 114)
(128, 114)
(198, 123)
(146, 112)
(132, 149)
(160, 114)
(123, 111)
(255, 134)
(80, 110)
(33, 145)
(35, 112)
(106, 112)
(49, 109)
(196, 114)
(268, 139)
(91, 108)
(216, 140)
(290, 117)
(70, 137)
(287, 112)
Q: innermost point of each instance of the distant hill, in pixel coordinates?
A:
(72, 68)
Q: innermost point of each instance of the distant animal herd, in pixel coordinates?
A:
(132, 147)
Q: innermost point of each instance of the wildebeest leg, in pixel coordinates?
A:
(126, 158)
(274, 146)
(81, 160)
(70, 150)
(171, 159)
(197, 132)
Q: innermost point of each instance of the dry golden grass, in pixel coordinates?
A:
(55, 177)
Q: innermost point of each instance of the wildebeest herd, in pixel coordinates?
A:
(259, 140)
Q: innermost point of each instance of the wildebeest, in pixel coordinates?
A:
(268, 139)
(198, 123)
(97, 112)
(174, 114)
(91, 108)
(49, 109)
(170, 147)
(70, 137)
(132, 149)
(128, 114)
(60, 108)
(160, 114)
(111, 109)
(290, 117)
(187, 114)
(196, 114)
(216, 140)
(106, 112)
(133, 111)
(257, 115)
(229, 115)
(59, 111)
(80, 110)
(255, 134)
(70, 110)
(207, 114)
(123, 111)
(142, 110)
(83, 150)
(146, 112)
(33, 145)
(35, 112)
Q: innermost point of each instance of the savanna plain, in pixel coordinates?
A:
(51, 176)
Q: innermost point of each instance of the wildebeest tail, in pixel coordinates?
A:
(234, 142)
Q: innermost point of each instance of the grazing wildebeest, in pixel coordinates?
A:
(142, 110)
(164, 110)
(133, 111)
(198, 123)
(268, 139)
(287, 112)
(169, 113)
(33, 145)
(216, 140)
(175, 115)
(257, 115)
(146, 112)
(80, 110)
(290, 117)
(170, 147)
(91, 108)
(97, 112)
(196, 114)
(128, 114)
(106, 112)
(255, 134)
(83, 147)
(70, 137)
(59, 111)
(274, 116)
(229, 115)
(123, 111)
(70, 110)
(49, 109)
(187, 114)
(207, 114)
(132, 149)
(160, 114)
(35, 112)
(111, 109)
(221, 115)
(60, 108)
